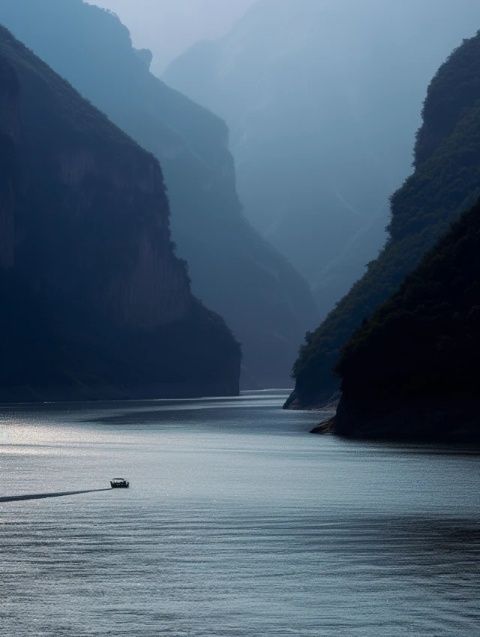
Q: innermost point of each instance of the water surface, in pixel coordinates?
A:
(237, 523)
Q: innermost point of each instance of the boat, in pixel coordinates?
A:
(119, 483)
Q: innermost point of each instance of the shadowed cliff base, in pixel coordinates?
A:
(436, 420)
(412, 370)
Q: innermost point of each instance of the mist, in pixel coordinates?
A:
(169, 27)
(323, 100)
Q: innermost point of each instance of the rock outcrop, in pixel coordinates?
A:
(95, 304)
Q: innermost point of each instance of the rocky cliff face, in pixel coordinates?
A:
(95, 302)
(265, 302)
(9, 125)
(412, 370)
(445, 183)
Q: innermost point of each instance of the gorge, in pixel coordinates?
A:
(233, 270)
(323, 99)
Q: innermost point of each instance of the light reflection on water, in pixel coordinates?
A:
(238, 523)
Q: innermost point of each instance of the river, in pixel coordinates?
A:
(238, 522)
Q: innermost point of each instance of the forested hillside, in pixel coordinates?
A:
(412, 370)
(446, 182)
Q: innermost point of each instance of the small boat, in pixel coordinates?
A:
(119, 483)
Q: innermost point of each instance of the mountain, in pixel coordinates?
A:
(233, 270)
(446, 182)
(181, 23)
(95, 304)
(412, 370)
(322, 98)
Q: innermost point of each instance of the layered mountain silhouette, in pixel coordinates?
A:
(95, 304)
(445, 184)
(233, 270)
(322, 98)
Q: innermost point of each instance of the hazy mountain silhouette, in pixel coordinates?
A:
(323, 99)
(233, 270)
(169, 27)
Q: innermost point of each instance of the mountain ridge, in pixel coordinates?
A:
(95, 303)
(233, 270)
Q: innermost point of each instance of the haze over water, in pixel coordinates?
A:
(237, 522)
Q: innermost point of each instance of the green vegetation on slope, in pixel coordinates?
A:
(446, 182)
(412, 369)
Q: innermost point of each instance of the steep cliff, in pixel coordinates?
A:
(412, 370)
(446, 182)
(9, 128)
(323, 100)
(234, 271)
(95, 304)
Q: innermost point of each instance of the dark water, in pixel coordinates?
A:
(238, 522)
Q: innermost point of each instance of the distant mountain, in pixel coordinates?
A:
(446, 182)
(322, 98)
(412, 370)
(95, 304)
(234, 271)
(169, 27)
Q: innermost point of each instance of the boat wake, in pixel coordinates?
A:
(41, 496)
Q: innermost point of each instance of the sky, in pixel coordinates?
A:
(170, 27)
